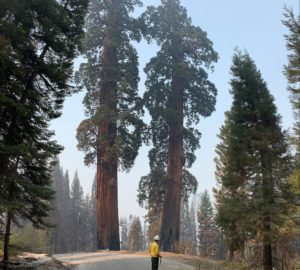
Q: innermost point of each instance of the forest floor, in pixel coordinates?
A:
(31, 261)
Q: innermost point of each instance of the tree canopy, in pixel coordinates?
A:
(178, 94)
(39, 40)
(253, 163)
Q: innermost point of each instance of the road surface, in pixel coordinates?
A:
(110, 260)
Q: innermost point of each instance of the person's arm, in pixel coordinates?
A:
(158, 251)
(149, 249)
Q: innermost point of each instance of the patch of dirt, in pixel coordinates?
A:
(30, 261)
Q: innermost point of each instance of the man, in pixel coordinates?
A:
(154, 252)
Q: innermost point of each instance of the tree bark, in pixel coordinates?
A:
(267, 185)
(267, 245)
(170, 228)
(7, 237)
(107, 158)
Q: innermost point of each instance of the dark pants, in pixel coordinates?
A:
(154, 262)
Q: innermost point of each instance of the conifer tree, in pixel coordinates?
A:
(124, 233)
(135, 235)
(111, 134)
(151, 195)
(184, 222)
(85, 226)
(39, 40)
(93, 216)
(76, 211)
(193, 238)
(58, 215)
(253, 162)
(178, 93)
(231, 193)
(292, 72)
(206, 226)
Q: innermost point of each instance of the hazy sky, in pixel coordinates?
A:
(252, 25)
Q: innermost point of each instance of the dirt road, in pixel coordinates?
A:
(108, 260)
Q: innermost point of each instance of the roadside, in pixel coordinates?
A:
(112, 260)
(31, 261)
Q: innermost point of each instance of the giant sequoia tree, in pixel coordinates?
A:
(253, 163)
(178, 93)
(38, 41)
(111, 134)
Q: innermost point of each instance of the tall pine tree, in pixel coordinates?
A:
(206, 226)
(60, 214)
(135, 235)
(111, 134)
(178, 93)
(76, 212)
(39, 40)
(292, 71)
(258, 173)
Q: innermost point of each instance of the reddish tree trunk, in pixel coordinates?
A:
(170, 228)
(107, 159)
(107, 205)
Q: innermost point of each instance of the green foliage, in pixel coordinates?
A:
(184, 50)
(207, 231)
(60, 215)
(152, 188)
(188, 239)
(254, 197)
(39, 42)
(23, 240)
(292, 72)
(124, 233)
(178, 94)
(73, 215)
(110, 28)
(135, 235)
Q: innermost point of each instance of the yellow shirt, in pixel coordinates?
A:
(154, 249)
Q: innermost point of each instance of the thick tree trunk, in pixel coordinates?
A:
(7, 237)
(268, 187)
(107, 206)
(107, 159)
(231, 253)
(267, 245)
(170, 227)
